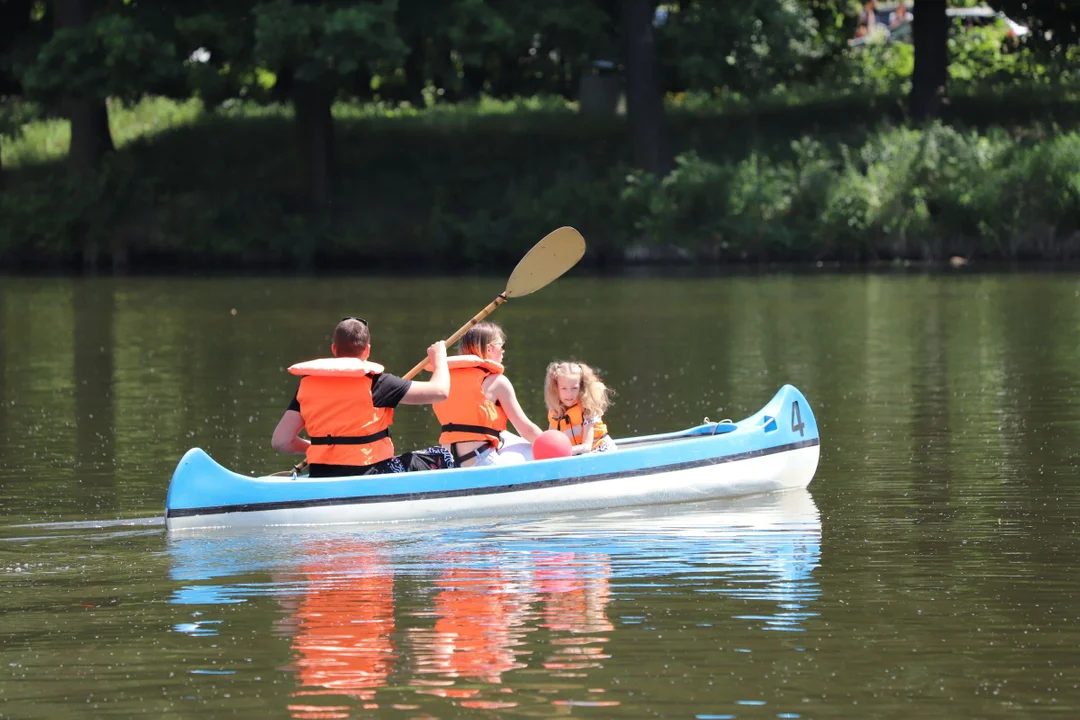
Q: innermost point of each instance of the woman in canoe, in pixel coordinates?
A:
(577, 398)
(482, 400)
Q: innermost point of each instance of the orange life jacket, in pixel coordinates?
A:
(467, 414)
(572, 424)
(339, 414)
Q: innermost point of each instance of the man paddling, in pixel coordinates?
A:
(346, 404)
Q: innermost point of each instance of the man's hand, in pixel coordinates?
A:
(437, 388)
(437, 353)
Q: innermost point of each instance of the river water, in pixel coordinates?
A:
(929, 570)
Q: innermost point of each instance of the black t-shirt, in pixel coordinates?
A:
(386, 391)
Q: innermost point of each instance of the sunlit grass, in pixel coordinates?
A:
(152, 116)
(483, 107)
(37, 142)
(48, 139)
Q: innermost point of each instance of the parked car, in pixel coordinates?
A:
(968, 17)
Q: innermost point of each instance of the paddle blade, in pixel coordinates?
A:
(559, 251)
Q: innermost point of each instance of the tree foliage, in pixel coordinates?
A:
(67, 56)
(112, 56)
(747, 47)
(327, 44)
(435, 50)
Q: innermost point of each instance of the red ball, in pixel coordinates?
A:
(551, 444)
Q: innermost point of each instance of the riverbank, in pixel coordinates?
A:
(830, 179)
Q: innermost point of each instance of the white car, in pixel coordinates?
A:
(969, 17)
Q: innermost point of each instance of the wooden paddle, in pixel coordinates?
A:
(547, 261)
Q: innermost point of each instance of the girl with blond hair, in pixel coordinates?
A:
(576, 399)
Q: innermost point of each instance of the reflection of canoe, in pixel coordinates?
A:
(756, 548)
(774, 449)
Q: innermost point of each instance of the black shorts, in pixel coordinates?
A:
(432, 458)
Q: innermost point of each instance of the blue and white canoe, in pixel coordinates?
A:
(777, 448)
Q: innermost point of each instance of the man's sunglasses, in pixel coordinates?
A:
(353, 317)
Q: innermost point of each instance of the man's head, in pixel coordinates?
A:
(352, 338)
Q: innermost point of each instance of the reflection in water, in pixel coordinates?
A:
(574, 590)
(344, 620)
(480, 616)
(94, 367)
(418, 618)
(948, 476)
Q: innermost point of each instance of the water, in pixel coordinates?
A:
(927, 572)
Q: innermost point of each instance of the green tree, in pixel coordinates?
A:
(320, 50)
(748, 47)
(465, 48)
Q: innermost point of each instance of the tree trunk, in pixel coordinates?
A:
(414, 72)
(89, 119)
(930, 34)
(316, 133)
(90, 136)
(644, 98)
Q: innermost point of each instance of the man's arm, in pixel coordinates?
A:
(437, 388)
(286, 438)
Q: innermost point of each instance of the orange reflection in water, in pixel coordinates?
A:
(344, 623)
(574, 591)
(479, 614)
(483, 612)
(486, 604)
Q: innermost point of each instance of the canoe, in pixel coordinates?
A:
(776, 448)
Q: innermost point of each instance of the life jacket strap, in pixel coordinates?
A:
(496, 440)
(361, 440)
(566, 418)
(459, 459)
(461, 427)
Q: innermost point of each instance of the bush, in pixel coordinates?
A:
(452, 189)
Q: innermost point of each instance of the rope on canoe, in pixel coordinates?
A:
(717, 424)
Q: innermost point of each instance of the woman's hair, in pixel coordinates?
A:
(594, 393)
(479, 336)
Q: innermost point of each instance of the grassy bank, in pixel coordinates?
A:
(832, 177)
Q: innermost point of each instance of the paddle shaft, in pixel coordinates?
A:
(478, 317)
